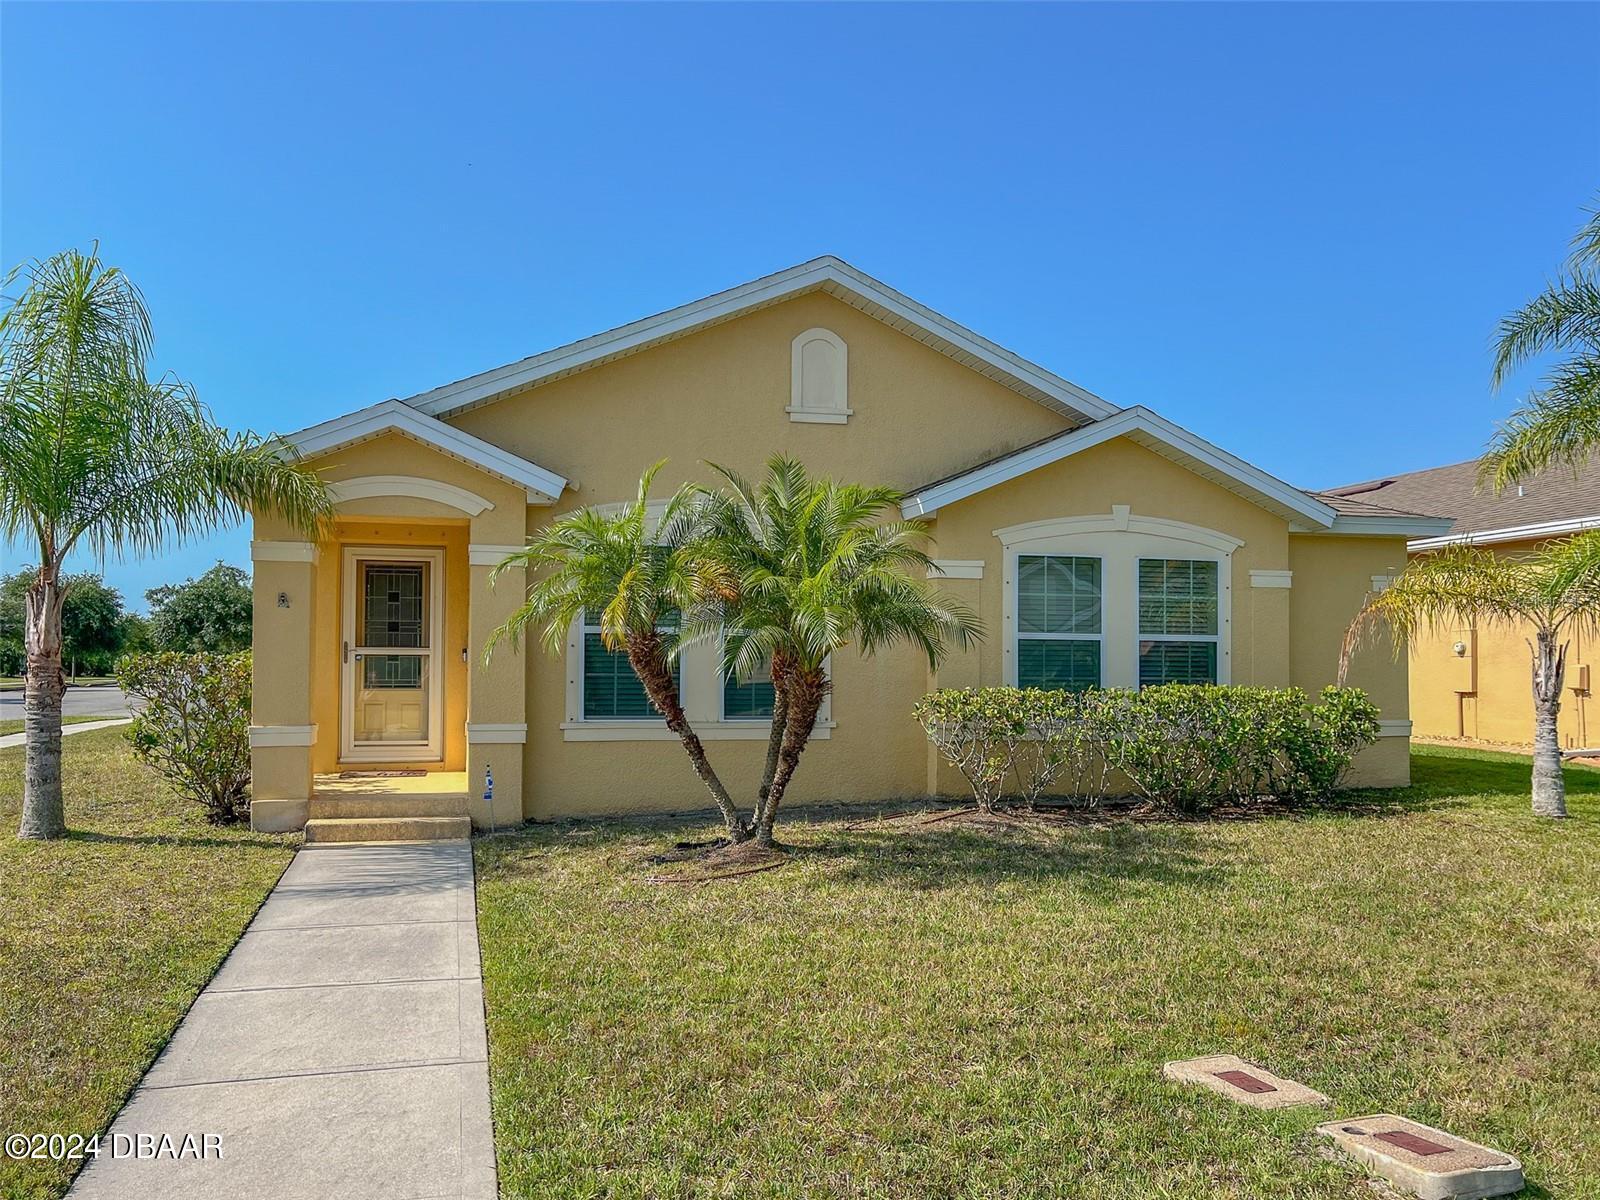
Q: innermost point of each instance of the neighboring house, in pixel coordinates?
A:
(1099, 545)
(1475, 683)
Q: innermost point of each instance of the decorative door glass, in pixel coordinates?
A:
(393, 659)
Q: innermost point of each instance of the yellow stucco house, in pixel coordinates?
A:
(374, 716)
(1474, 683)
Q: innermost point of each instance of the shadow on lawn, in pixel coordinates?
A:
(243, 841)
(1096, 858)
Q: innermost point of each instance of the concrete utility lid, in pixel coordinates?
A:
(1430, 1162)
(1242, 1081)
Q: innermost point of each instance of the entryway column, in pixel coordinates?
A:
(281, 728)
(497, 727)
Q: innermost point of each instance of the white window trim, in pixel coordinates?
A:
(1119, 539)
(1138, 597)
(1019, 636)
(797, 411)
(580, 652)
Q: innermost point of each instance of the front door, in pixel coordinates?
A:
(391, 667)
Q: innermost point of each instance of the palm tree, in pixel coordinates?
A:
(1559, 425)
(814, 567)
(95, 455)
(1554, 591)
(641, 575)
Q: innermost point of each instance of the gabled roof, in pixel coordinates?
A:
(827, 274)
(1303, 510)
(1545, 504)
(395, 416)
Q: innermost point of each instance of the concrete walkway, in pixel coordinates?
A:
(339, 1053)
(18, 739)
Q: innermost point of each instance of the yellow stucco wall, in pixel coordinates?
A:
(1486, 692)
(721, 395)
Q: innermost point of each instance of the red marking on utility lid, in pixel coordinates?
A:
(1420, 1146)
(1245, 1082)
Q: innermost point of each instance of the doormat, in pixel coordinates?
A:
(381, 774)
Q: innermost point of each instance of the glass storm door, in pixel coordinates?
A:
(391, 683)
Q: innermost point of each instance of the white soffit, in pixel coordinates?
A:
(826, 274)
(395, 416)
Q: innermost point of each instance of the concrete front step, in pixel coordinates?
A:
(326, 806)
(386, 829)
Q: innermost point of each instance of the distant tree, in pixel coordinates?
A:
(210, 614)
(93, 625)
(135, 634)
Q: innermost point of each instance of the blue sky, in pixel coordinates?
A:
(1289, 227)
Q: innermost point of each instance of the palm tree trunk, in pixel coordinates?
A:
(43, 815)
(807, 689)
(1549, 670)
(780, 721)
(650, 665)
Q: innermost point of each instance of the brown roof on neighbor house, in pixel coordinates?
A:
(1560, 494)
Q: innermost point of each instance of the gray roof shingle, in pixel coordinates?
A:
(1559, 494)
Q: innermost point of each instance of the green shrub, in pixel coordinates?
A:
(967, 725)
(1182, 746)
(195, 725)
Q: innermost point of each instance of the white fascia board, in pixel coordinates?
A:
(396, 416)
(1386, 526)
(820, 274)
(1511, 533)
(1144, 426)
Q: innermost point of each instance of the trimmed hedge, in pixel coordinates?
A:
(1181, 746)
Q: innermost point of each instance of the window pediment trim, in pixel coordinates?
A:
(1120, 519)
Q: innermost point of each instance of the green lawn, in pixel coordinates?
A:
(14, 724)
(105, 939)
(948, 1012)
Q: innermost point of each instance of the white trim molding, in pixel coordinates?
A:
(300, 552)
(413, 486)
(1153, 432)
(1120, 520)
(829, 275)
(956, 568)
(1271, 579)
(484, 555)
(269, 736)
(1510, 533)
(396, 416)
(1394, 728)
(490, 734)
(834, 408)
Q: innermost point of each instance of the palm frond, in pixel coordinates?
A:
(1559, 426)
(1566, 315)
